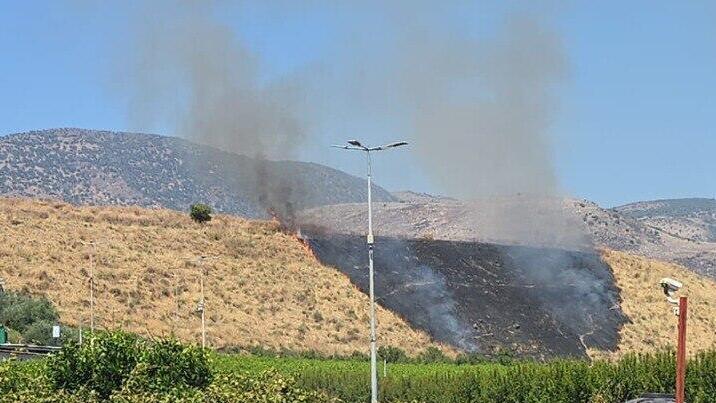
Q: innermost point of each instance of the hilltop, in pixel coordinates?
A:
(95, 167)
(691, 219)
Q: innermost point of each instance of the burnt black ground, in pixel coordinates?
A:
(488, 298)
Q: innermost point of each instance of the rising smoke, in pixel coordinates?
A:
(189, 72)
(477, 109)
(480, 110)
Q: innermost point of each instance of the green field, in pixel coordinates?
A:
(556, 381)
(121, 367)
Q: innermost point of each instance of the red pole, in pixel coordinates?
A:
(681, 352)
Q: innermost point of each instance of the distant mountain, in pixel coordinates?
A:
(693, 219)
(101, 167)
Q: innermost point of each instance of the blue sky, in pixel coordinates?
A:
(637, 109)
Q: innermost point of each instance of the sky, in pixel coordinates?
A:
(635, 119)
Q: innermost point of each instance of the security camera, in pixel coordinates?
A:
(670, 286)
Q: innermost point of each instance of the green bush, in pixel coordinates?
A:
(106, 362)
(200, 213)
(39, 332)
(392, 354)
(168, 363)
(557, 381)
(101, 364)
(166, 371)
(432, 354)
(32, 317)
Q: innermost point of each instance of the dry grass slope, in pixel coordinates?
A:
(264, 288)
(653, 325)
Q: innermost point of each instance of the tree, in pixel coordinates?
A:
(200, 213)
(392, 354)
(32, 317)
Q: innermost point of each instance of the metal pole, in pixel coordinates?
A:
(203, 307)
(373, 348)
(176, 302)
(92, 290)
(681, 352)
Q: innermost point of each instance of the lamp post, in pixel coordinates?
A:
(356, 145)
(91, 281)
(201, 307)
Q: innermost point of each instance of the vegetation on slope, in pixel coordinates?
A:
(263, 287)
(652, 324)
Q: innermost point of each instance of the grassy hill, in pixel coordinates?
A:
(264, 288)
(652, 324)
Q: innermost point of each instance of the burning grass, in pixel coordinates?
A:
(264, 288)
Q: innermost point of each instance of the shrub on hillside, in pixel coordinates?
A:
(200, 213)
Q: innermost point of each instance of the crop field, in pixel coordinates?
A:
(555, 381)
(121, 367)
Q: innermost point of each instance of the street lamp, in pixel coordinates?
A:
(91, 281)
(201, 306)
(356, 145)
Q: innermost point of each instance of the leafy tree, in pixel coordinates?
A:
(101, 364)
(32, 317)
(200, 213)
(119, 362)
(392, 354)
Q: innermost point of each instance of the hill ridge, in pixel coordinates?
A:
(84, 166)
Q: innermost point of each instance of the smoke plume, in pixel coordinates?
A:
(190, 73)
(481, 109)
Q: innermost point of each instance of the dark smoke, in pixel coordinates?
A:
(478, 110)
(189, 72)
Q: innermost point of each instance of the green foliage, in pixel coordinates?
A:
(101, 364)
(392, 354)
(109, 362)
(558, 381)
(432, 354)
(200, 213)
(31, 317)
(168, 363)
(166, 371)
